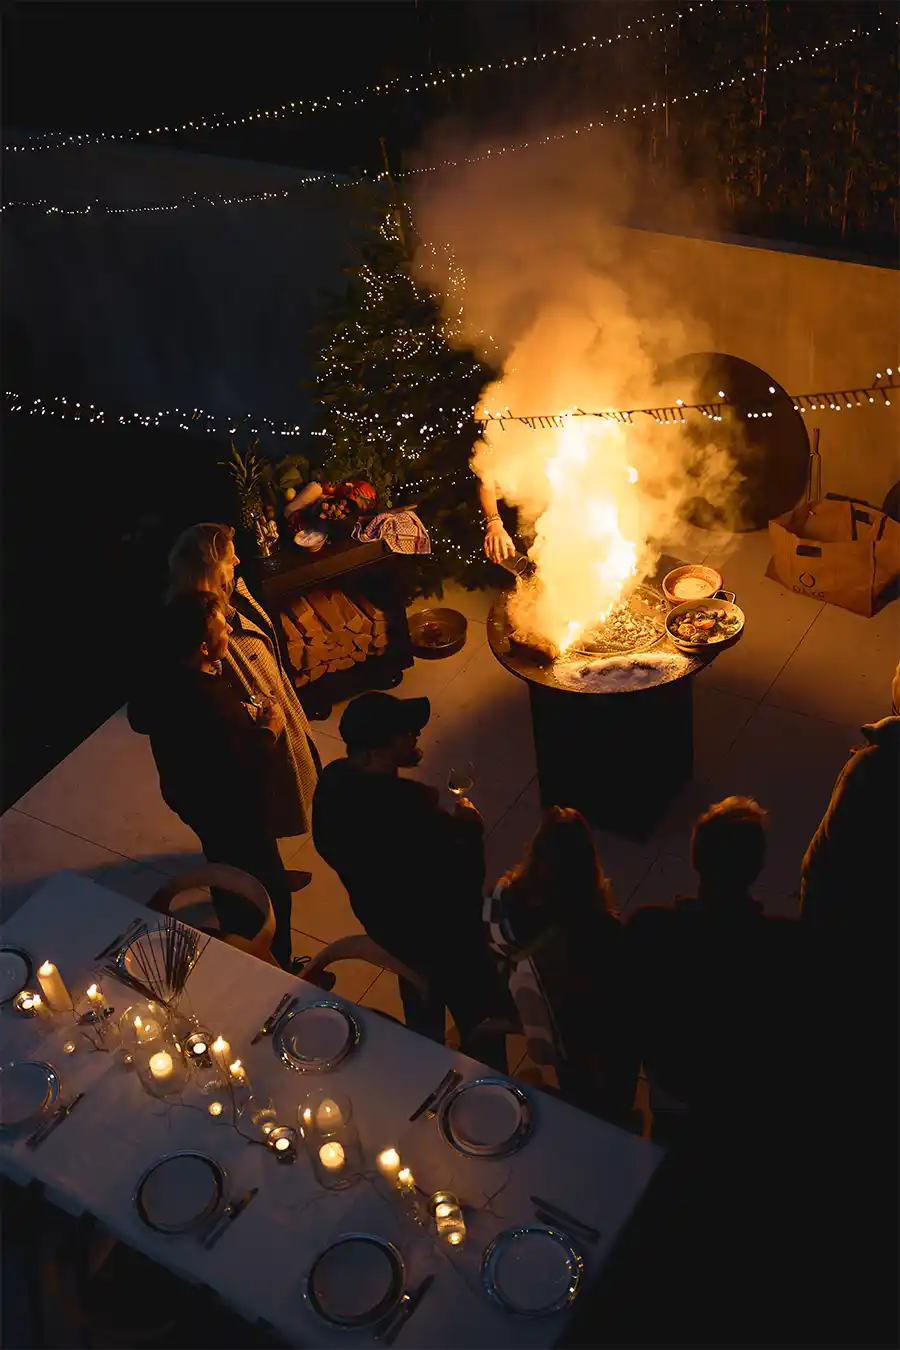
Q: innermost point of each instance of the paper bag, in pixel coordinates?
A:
(842, 552)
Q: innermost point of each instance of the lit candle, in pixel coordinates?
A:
(39, 1006)
(331, 1156)
(215, 1108)
(95, 997)
(161, 1065)
(388, 1163)
(146, 1030)
(405, 1179)
(69, 1048)
(25, 1003)
(221, 1053)
(199, 1048)
(328, 1116)
(282, 1144)
(448, 1218)
(237, 1072)
(52, 987)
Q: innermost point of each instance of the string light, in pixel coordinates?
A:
(188, 202)
(346, 98)
(70, 410)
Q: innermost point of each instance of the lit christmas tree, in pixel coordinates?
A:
(398, 398)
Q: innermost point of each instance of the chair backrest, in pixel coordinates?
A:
(360, 947)
(227, 879)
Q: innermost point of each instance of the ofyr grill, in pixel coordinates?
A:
(616, 753)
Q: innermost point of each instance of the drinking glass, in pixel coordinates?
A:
(460, 781)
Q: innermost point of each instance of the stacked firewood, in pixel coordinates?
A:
(327, 631)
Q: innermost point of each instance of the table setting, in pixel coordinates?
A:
(323, 1169)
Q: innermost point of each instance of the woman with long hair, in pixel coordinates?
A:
(554, 922)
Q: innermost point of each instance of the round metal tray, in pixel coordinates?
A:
(502, 1247)
(383, 1307)
(311, 1064)
(40, 1071)
(501, 1150)
(197, 1220)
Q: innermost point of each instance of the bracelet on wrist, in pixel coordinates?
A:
(489, 520)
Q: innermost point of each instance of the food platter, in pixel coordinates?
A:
(29, 1088)
(699, 626)
(487, 1118)
(532, 1271)
(179, 1192)
(356, 1281)
(317, 1037)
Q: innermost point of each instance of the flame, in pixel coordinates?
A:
(586, 536)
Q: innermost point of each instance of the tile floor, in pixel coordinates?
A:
(774, 717)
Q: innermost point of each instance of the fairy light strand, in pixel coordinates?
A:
(348, 98)
(625, 114)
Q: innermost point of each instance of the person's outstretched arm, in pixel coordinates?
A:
(497, 543)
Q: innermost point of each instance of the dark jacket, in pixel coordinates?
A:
(414, 873)
(851, 871)
(217, 769)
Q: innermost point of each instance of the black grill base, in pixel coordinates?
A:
(619, 759)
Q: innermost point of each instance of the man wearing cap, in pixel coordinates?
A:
(414, 872)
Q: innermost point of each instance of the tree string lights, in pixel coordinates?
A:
(346, 98)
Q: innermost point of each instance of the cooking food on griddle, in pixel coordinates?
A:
(705, 625)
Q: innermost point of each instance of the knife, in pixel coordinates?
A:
(229, 1214)
(408, 1305)
(270, 1020)
(448, 1080)
(572, 1229)
(63, 1110)
(564, 1219)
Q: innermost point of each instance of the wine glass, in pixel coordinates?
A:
(460, 781)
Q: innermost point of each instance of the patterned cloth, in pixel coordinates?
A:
(541, 1034)
(253, 656)
(402, 531)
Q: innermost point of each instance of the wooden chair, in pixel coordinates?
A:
(227, 879)
(360, 947)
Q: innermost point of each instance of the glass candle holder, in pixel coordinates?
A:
(142, 1024)
(447, 1213)
(24, 1003)
(196, 1049)
(261, 1113)
(160, 1066)
(282, 1141)
(332, 1139)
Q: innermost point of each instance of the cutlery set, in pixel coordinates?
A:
(63, 1110)
(223, 1221)
(430, 1105)
(274, 1017)
(404, 1311)
(556, 1217)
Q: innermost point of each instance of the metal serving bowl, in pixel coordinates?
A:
(708, 575)
(715, 602)
(437, 632)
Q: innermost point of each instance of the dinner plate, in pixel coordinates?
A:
(487, 1118)
(532, 1272)
(28, 1089)
(316, 1038)
(356, 1281)
(179, 1192)
(15, 972)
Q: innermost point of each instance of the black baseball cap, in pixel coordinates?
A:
(374, 719)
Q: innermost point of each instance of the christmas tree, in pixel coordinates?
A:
(397, 398)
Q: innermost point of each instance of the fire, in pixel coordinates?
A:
(587, 530)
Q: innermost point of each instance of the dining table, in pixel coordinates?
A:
(92, 1163)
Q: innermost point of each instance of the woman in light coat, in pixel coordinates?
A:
(203, 559)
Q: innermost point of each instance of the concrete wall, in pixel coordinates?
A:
(814, 324)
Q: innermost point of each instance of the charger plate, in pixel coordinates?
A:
(15, 972)
(356, 1281)
(487, 1118)
(532, 1272)
(28, 1090)
(179, 1192)
(317, 1037)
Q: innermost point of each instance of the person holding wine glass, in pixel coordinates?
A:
(413, 871)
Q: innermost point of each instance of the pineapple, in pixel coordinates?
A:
(249, 472)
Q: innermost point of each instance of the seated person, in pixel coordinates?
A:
(414, 873)
(220, 761)
(554, 919)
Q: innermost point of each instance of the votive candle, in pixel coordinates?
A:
(95, 997)
(448, 1218)
(146, 1030)
(40, 1007)
(161, 1066)
(329, 1116)
(388, 1163)
(237, 1072)
(221, 1053)
(331, 1156)
(52, 986)
(215, 1108)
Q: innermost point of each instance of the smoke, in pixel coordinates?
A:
(556, 296)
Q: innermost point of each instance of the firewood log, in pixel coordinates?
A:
(326, 611)
(353, 617)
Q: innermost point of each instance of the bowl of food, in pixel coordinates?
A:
(694, 582)
(697, 627)
(437, 632)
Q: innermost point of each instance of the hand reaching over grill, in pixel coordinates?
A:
(497, 543)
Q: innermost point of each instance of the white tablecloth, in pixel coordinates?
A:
(94, 1160)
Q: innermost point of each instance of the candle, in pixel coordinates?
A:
(237, 1072)
(331, 1156)
(221, 1053)
(388, 1163)
(146, 1030)
(161, 1065)
(215, 1108)
(283, 1143)
(405, 1179)
(25, 1003)
(448, 1218)
(199, 1048)
(69, 1048)
(39, 1006)
(328, 1116)
(52, 987)
(95, 997)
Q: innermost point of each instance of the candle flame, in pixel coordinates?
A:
(389, 1158)
(92, 991)
(47, 968)
(219, 1044)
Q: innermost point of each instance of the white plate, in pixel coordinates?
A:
(27, 1090)
(15, 972)
(534, 1272)
(179, 1192)
(316, 1037)
(356, 1281)
(486, 1118)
